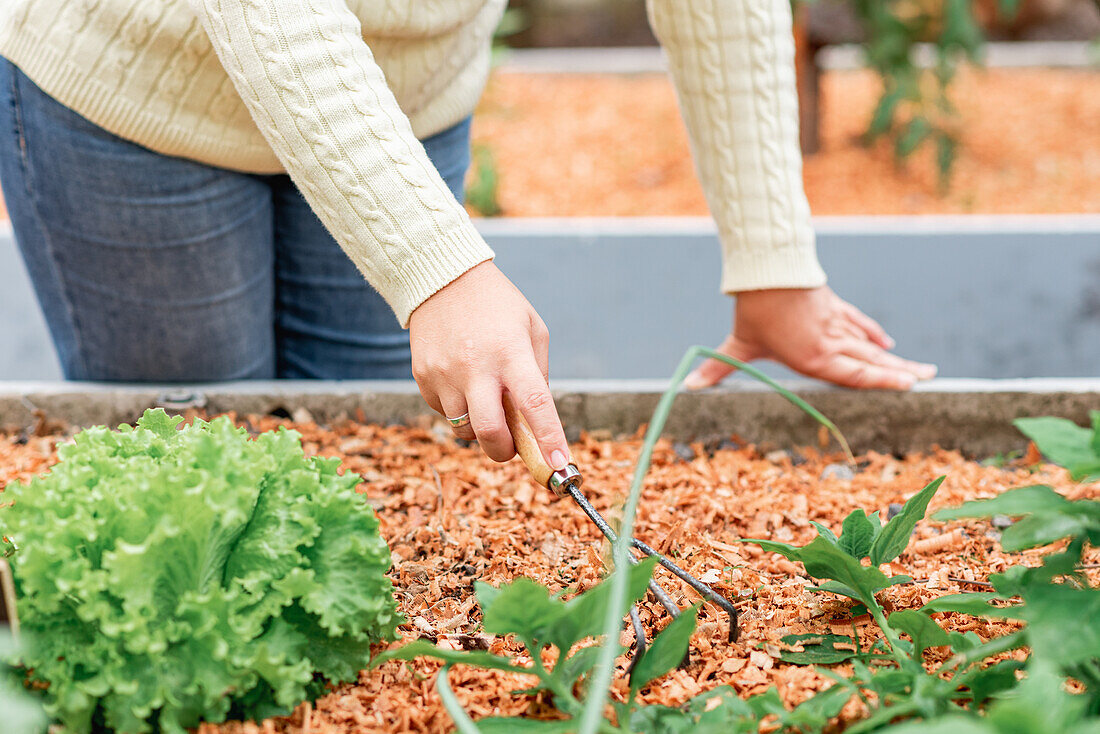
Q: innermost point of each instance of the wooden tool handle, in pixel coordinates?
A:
(526, 445)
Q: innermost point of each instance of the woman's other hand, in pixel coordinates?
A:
(472, 341)
(814, 332)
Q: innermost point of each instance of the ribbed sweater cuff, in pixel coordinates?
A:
(433, 267)
(753, 270)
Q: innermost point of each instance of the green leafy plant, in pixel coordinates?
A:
(525, 610)
(482, 191)
(608, 610)
(168, 575)
(914, 107)
(976, 690)
(1066, 443)
(22, 714)
(973, 691)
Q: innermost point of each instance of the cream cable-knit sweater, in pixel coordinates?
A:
(336, 93)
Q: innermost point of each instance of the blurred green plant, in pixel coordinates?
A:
(22, 714)
(514, 21)
(915, 109)
(482, 191)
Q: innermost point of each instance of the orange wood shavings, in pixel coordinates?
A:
(451, 516)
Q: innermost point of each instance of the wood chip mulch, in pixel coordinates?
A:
(614, 145)
(452, 516)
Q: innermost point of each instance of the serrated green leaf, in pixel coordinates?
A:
(786, 550)
(825, 560)
(579, 663)
(817, 649)
(994, 679)
(1065, 443)
(857, 534)
(584, 613)
(894, 536)
(976, 604)
(522, 607)
(666, 650)
(836, 587)
(1014, 503)
(923, 631)
(824, 532)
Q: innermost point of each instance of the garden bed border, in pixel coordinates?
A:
(973, 416)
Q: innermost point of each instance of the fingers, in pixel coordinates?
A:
(870, 327)
(867, 352)
(454, 406)
(487, 421)
(851, 372)
(540, 342)
(860, 364)
(713, 371)
(532, 396)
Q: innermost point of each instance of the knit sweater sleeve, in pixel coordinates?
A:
(732, 62)
(322, 103)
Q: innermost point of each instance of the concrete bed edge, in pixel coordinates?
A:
(973, 416)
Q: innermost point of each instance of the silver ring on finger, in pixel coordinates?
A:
(460, 421)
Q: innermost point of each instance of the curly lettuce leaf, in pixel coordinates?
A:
(172, 575)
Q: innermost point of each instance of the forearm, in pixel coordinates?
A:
(322, 103)
(733, 65)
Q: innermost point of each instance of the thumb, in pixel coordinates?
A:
(713, 371)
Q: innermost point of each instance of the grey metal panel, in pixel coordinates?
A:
(981, 296)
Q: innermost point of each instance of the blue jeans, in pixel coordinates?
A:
(154, 268)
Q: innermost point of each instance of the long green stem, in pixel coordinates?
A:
(617, 605)
(462, 720)
(616, 608)
(891, 637)
(753, 372)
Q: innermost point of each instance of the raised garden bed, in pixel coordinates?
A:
(451, 517)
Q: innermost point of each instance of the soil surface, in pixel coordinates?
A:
(451, 516)
(570, 145)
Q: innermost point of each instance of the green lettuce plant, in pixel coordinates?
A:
(21, 713)
(170, 575)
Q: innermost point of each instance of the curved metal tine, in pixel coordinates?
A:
(704, 590)
(664, 598)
